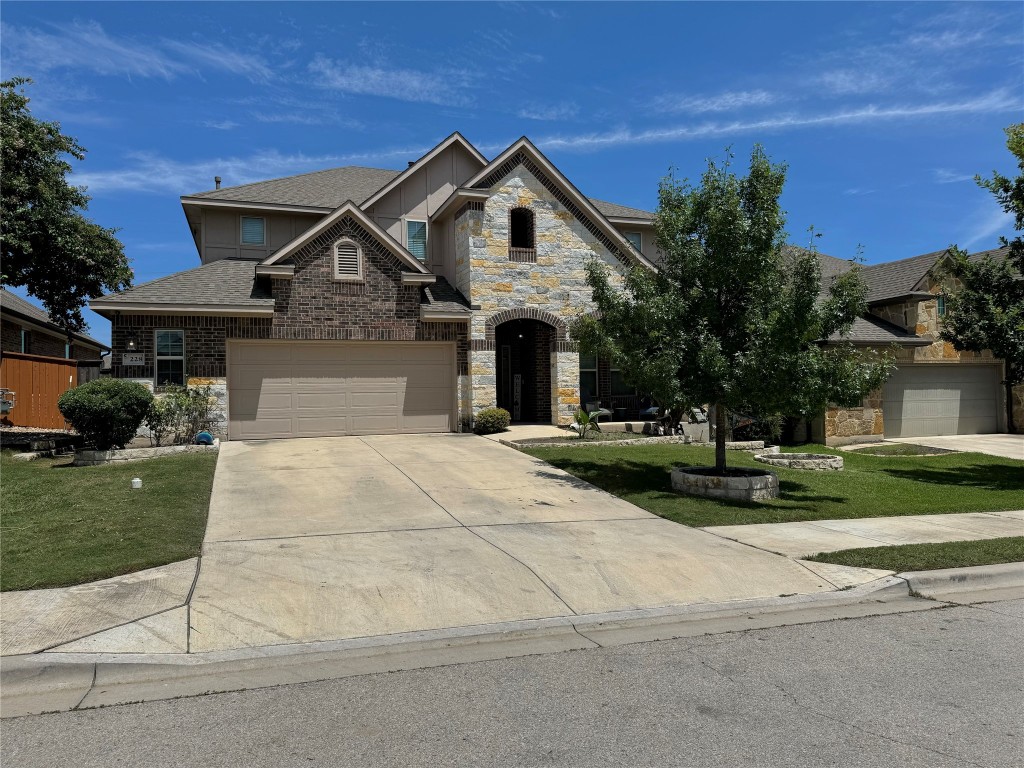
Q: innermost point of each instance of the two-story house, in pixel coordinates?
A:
(358, 301)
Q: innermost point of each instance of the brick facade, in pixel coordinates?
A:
(41, 343)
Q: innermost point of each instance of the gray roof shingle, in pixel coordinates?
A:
(227, 281)
(444, 297)
(319, 189)
(869, 329)
(11, 302)
(614, 209)
(893, 279)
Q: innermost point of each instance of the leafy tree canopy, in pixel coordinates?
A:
(734, 317)
(985, 306)
(48, 246)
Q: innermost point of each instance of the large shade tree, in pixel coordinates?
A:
(733, 318)
(985, 305)
(48, 245)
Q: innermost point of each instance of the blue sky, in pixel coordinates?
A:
(883, 112)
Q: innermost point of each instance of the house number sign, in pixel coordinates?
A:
(133, 358)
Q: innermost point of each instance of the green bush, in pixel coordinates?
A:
(106, 412)
(178, 414)
(491, 420)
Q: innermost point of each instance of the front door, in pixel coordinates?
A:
(524, 369)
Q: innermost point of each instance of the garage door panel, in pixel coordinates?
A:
(925, 400)
(311, 389)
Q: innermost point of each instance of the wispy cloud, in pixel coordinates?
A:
(858, 191)
(997, 101)
(946, 176)
(986, 226)
(565, 110)
(86, 45)
(439, 87)
(729, 101)
(155, 173)
(220, 125)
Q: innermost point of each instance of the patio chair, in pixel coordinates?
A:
(596, 411)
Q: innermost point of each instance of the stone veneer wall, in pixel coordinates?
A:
(553, 289)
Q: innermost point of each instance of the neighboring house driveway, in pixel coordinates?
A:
(333, 538)
(1007, 446)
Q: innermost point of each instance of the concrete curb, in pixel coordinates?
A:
(979, 584)
(47, 682)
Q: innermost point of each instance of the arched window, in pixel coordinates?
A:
(348, 260)
(522, 244)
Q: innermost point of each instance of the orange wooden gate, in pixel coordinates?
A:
(37, 382)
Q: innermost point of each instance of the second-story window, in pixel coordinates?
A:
(254, 230)
(635, 239)
(416, 238)
(940, 303)
(522, 242)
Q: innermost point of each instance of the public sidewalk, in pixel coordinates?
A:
(805, 539)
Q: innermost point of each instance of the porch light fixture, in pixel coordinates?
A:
(131, 345)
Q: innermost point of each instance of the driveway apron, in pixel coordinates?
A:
(337, 538)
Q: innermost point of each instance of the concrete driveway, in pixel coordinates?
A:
(335, 538)
(1007, 446)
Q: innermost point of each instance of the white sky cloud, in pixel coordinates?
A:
(442, 87)
(728, 101)
(565, 110)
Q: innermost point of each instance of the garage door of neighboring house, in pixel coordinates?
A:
(323, 389)
(923, 400)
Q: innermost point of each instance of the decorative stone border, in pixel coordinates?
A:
(757, 485)
(96, 458)
(820, 462)
(581, 443)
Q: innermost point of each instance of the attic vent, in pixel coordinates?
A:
(348, 263)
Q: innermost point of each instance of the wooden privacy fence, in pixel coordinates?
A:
(37, 382)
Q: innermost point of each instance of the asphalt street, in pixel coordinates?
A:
(934, 688)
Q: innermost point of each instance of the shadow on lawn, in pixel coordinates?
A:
(626, 476)
(995, 477)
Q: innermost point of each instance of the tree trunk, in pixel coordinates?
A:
(720, 435)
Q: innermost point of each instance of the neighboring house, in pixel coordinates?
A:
(356, 300)
(26, 328)
(361, 301)
(935, 390)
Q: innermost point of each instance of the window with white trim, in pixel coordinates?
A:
(940, 304)
(635, 239)
(170, 358)
(348, 260)
(416, 238)
(254, 230)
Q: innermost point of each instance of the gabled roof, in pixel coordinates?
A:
(320, 189)
(226, 286)
(455, 138)
(351, 210)
(586, 209)
(616, 211)
(895, 279)
(12, 304)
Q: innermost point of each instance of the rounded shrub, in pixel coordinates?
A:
(491, 420)
(106, 412)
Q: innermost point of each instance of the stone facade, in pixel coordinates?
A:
(919, 316)
(552, 289)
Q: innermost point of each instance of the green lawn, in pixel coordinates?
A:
(902, 449)
(869, 486)
(927, 557)
(63, 525)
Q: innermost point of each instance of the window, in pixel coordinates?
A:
(521, 234)
(940, 302)
(588, 378)
(619, 386)
(635, 239)
(348, 260)
(26, 341)
(170, 358)
(416, 238)
(254, 230)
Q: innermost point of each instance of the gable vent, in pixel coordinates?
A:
(346, 261)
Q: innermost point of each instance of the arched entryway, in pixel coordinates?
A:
(524, 350)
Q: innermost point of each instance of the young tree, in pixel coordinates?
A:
(733, 318)
(48, 245)
(985, 308)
